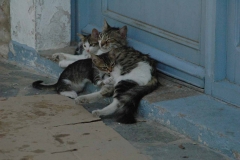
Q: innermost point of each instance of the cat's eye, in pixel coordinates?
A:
(84, 45)
(113, 64)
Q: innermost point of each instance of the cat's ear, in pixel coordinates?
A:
(106, 26)
(81, 36)
(123, 32)
(95, 59)
(95, 33)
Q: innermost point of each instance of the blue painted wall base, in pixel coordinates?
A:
(28, 56)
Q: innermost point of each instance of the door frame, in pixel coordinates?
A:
(216, 53)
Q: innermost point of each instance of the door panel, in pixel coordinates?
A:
(176, 21)
(166, 15)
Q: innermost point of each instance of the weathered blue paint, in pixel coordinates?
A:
(160, 24)
(28, 56)
(202, 118)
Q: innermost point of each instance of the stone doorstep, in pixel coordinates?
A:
(186, 110)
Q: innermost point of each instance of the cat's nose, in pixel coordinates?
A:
(87, 50)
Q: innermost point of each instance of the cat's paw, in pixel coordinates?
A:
(81, 100)
(58, 56)
(99, 83)
(96, 113)
(63, 64)
(109, 80)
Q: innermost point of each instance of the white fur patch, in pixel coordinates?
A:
(101, 51)
(89, 48)
(108, 110)
(71, 94)
(141, 74)
(89, 98)
(76, 87)
(65, 63)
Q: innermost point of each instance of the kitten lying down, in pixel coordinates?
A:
(88, 44)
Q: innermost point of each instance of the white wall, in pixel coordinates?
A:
(22, 15)
(53, 24)
(41, 24)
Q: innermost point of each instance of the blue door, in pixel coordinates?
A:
(168, 30)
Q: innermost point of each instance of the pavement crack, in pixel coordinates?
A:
(92, 121)
(71, 150)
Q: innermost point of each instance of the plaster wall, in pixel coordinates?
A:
(23, 22)
(41, 24)
(53, 24)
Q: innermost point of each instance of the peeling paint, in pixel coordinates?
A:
(31, 9)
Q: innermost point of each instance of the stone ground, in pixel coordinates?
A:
(150, 138)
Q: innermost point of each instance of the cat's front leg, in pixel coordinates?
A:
(106, 91)
(58, 56)
(65, 63)
(108, 81)
(89, 98)
(108, 110)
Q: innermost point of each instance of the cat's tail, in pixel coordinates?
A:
(38, 85)
(129, 94)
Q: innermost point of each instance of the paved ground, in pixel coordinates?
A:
(150, 138)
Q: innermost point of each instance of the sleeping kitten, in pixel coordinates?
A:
(73, 79)
(89, 44)
(132, 76)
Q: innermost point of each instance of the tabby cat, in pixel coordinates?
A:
(132, 75)
(73, 79)
(88, 44)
